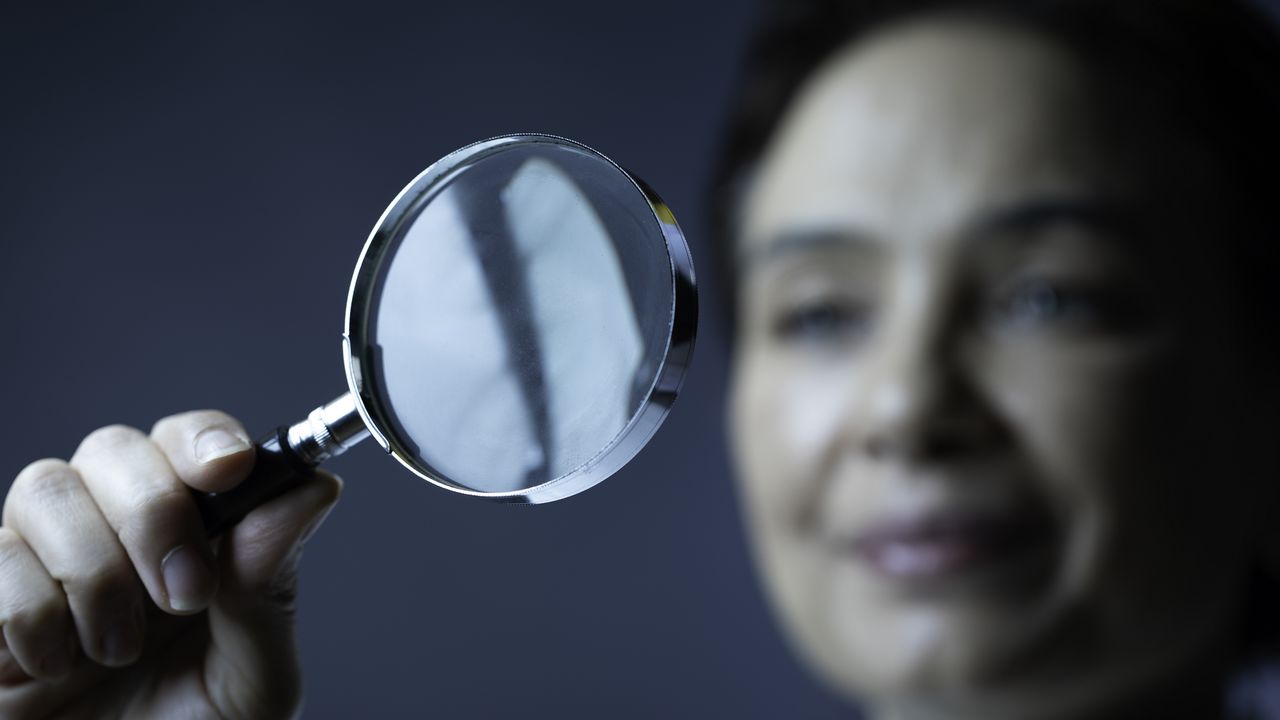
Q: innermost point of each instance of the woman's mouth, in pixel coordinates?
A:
(932, 550)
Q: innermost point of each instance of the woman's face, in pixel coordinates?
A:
(971, 397)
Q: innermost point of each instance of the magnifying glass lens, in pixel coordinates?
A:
(519, 316)
(518, 326)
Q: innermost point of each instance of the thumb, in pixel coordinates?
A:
(251, 669)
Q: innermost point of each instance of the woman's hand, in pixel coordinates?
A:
(113, 603)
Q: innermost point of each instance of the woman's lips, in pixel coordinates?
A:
(936, 547)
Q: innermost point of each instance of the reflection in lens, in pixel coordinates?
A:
(576, 290)
(520, 320)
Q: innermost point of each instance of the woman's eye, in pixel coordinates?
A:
(1038, 303)
(822, 321)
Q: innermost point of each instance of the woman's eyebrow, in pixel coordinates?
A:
(1038, 212)
(791, 242)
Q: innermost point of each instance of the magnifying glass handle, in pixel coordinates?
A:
(276, 470)
(285, 458)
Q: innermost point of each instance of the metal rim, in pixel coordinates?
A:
(682, 327)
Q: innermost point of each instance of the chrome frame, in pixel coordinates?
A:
(328, 431)
(682, 329)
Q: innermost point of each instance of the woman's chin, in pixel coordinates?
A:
(969, 635)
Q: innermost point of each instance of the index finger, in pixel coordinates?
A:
(208, 449)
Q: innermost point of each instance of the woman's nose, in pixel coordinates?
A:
(919, 400)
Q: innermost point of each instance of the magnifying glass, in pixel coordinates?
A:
(518, 326)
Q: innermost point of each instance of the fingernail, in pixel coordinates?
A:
(188, 579)
(122, 639)
(217, 443)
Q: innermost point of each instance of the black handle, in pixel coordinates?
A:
(277, 470)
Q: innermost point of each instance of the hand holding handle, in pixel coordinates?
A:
(285, 458)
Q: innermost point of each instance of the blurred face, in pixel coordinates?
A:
(988, 429)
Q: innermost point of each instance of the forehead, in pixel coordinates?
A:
(923, 126)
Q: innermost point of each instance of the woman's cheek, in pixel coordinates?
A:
(813, 408)
(762, 462)
(787, 416)
(1100, 428)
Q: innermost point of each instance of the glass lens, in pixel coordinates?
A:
(520, 315)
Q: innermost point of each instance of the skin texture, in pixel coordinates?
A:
(114, 604)
(966, 290)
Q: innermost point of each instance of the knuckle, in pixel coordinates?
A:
(11, 573)
(151, 512)
(99, 583)
(42, 467)
(160, 503)
(12, 552)
(109, 438)
(166, 424)
(192, 421)
(35, 612)
(10, 545)
(42, 482)
(26, 598)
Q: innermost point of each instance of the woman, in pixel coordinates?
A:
(996, 402)
(999, 391)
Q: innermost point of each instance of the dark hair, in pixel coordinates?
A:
(1210, 65)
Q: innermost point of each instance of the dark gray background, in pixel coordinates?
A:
(184, 188)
